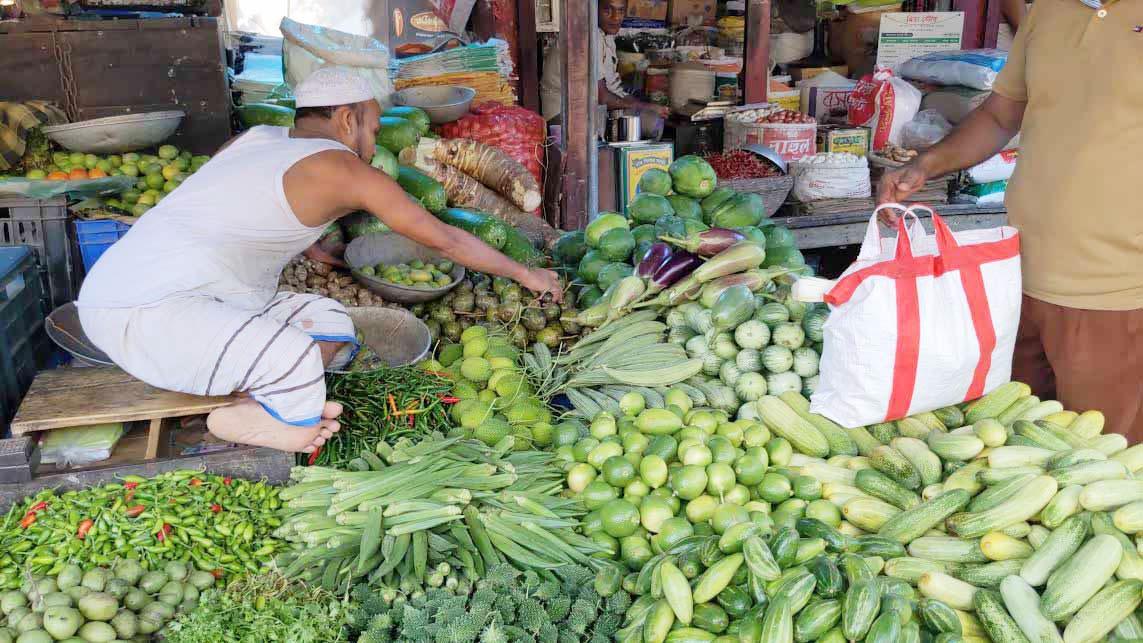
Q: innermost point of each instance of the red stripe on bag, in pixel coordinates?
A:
(973, 282)
(908, 333)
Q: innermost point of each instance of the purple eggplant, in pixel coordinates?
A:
(681, 264)
(708, 242)
(657, 255)
(677, 268)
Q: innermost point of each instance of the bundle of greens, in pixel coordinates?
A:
(506, 606)
(262, 608)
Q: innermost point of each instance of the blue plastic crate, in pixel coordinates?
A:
(24, 345)
(95, 237)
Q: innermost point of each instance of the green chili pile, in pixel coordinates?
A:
(384, 405)
(222, 525)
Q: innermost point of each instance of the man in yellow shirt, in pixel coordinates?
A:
(1073, 88)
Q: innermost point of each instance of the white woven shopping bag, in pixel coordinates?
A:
(919, 321)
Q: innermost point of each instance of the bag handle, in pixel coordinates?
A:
(871, 246)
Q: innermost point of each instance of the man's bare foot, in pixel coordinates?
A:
(246, 422)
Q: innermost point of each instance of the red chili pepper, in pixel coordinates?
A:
(217, 574)
(39, 506)
(130, 485)
(227, 480)
(135, 511)
(313, 457)
(164, 532)
(84, 527)
(28, 520)
(216, 508)
(449, 399)
(195, 482)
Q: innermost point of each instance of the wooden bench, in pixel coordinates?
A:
(70, 397)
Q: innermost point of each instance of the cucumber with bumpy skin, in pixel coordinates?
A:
(894, 464)
(1104, 611)
(1080, 577)
(999, 624)
(913, 523)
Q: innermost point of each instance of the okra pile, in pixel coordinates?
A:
(1008, 518)
(219, 524)
(423, 513)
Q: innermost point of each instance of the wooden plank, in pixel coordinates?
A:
(244, 462)
(57, 405)
(757, 62)
(30, 69)
(848, 228)
(529, 69)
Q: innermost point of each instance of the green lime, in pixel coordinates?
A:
(689, 481)
(750, 468)
(653, 512)
(620, 518)
(653, 470)
(618, 471)
(726, 515)
(720, 478)
(597, 494)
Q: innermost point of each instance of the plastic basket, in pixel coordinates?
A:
(95, 237)
(24, 346)
(43, 225)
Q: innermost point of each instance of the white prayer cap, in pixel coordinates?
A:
(332, 86)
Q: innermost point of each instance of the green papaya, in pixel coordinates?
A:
(744, 209)
(647, 208)
(570, 248)
(685, 207)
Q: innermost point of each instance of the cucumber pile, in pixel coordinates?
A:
(1004, 519)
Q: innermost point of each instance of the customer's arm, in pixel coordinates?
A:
(980, 136)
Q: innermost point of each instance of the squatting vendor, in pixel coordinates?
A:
(187, 300)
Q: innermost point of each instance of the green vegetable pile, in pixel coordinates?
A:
(506, 605)
(494, 397)
(215, 522)
(262, 608)
(498, 303)
(676, 204)
(1007, 518)
(383, 404)
(101, 604)
(452, 501)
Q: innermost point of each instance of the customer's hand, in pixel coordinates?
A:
(896, 186)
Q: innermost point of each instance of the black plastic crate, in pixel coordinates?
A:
(24, 345)
(43, 225)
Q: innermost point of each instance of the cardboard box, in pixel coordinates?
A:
(835, 138)
(806, 73)
(786, 100)
(682, 11)
(647, 10)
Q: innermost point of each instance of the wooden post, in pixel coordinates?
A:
(975, 18)
(757, 50)
(529, 69)
(992, 22)
(575, 40)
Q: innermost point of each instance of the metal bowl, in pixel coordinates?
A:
(65, 330)
(443, 103)
(116, 134)
(767, 153)
(395, 334)
(389, 249)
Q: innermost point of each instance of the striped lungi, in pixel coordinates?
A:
(203, 346)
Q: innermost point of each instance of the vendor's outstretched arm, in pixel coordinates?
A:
(983, 134)
(377, 193)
